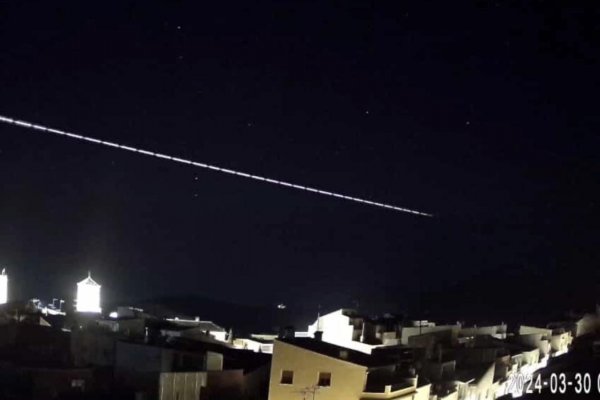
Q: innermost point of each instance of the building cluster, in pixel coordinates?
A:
(56, 351)
(350, 356)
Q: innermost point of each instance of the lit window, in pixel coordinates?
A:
(324, 379)
(287, 377)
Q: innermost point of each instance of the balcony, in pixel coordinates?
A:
(388, 391)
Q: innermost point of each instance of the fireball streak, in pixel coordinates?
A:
(208, 166)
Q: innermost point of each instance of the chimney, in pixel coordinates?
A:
(287, 332)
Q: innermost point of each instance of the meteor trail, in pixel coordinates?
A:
(208, 166)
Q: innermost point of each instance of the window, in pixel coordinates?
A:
(287, 377)
(324, 379)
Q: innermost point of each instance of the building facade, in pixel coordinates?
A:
(3, 287)
(303, 367)
(88, 296)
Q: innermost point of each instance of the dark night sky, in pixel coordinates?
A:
(485, 114)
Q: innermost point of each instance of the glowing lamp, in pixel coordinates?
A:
(88, 296)
(3, 287)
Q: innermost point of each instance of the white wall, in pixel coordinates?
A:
(560, 343)
(335, 326)
(3, 287)
(409, 331)
(590, 323)
(222, 336)
(88, 298)
(253, 345)
(337, 329)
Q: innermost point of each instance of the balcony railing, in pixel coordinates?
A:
(381, 391)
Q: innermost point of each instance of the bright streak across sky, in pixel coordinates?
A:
(208, 166)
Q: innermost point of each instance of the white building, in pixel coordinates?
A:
(198, 328)
(3, 287)
(495, 331)
(343, 327)
(420, 328)
(88, 296)
(254, 344)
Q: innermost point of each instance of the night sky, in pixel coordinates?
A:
(485, 114)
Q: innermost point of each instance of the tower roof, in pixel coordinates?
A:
(88, 281)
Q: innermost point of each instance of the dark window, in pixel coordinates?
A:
(287, 377)
(324, 379)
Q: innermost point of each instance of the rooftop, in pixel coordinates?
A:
(338, 352)
(196, 323)
(88, 281)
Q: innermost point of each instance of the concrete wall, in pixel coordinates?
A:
(526, 330)
(497, 331)
(132, 358)
(560, 343)
(422, 393)
(247, 344)
(476, 355)
(51, 383)
(502, 367)
(338, 329)
(214, 361)
(256, 383)
(436, 371)
(218, 385)
(199, 334)
(225, 385)
(482, 389)
(34, 344)
(451, 396)
(389, 338)
(347, 380)
(485, 384)
(181, 385)
(537, 340)
(253, 345)
(134, 327)
(590, 323)
(92, 348)
(409, 331)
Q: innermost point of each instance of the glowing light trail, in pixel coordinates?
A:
(208, 166)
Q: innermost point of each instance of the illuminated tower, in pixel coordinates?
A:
(88, 296)
(3, 287)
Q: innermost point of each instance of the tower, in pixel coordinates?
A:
(3, 287)
(88, 296)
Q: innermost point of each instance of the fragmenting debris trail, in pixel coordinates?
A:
(208, 166)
